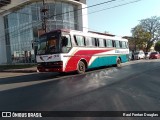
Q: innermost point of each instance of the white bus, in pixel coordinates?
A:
(70, 50)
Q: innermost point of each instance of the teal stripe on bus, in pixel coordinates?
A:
(107, 61)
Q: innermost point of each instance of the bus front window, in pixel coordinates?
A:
(49, 43)
(42, 45)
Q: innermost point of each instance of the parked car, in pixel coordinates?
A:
(154, 55)
(131, 56)
(147, 55)
(139, 55)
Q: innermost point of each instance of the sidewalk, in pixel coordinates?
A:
(23, 70)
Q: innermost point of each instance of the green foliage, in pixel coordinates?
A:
(152, 25)
(140, 37)
(157, 46)
(146, 32)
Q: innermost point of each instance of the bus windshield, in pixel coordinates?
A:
(49, 43)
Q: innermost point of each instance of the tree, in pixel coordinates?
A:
(157, 46)
(148, 29)
(140, 37)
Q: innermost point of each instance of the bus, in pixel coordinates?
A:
(70, 50)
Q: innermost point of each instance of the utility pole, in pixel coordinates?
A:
(44, 11)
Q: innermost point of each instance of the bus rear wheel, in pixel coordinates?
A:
(81, 67)
(118, 64)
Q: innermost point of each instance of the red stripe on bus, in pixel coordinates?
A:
(82, 54)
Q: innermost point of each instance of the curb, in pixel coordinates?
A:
(19, 71)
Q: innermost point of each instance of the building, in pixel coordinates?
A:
(20, 21)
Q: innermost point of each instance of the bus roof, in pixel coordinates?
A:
(91, 34)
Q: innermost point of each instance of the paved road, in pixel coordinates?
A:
(134, 87)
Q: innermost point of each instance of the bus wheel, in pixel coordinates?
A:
(81, 67)
(118, 64)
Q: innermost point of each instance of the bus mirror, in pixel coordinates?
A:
(34, 43)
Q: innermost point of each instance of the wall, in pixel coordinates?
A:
(83, 18)
(3, 59)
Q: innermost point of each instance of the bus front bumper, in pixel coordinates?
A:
(56, 66)
(43, 69)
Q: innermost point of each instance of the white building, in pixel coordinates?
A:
(20, 21)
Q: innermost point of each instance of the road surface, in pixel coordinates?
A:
(133, 87)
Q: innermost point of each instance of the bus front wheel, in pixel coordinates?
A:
(81, 67)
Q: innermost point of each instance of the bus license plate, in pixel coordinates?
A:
(46, 69)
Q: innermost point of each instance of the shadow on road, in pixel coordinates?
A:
(45, 76)
(91, 91)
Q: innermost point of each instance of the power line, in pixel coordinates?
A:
(91, 13)
(115, 6)
(83, 8)
(69, 11)
(83, 15)
(75, 10)
(18, 6)
(82, 27)
(16, 12)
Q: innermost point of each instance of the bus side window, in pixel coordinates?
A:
(123, 44)
(75, 40)
(120, 44)
(113, 43)
(89, 42)
(96, 42)
(84, 41)
(66, 43)
(126, 44)
(117, 44)
(101, 43)
(69, 40)
(105, 43)
(79, 40)
(109, 43)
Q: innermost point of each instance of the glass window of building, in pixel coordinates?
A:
(22, 25)
(58, 11)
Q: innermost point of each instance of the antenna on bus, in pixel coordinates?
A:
(99, 33)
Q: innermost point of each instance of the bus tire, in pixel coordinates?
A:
(81, 67)
(62, 73)
(118, 62)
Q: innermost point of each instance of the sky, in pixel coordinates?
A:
(120, 20)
